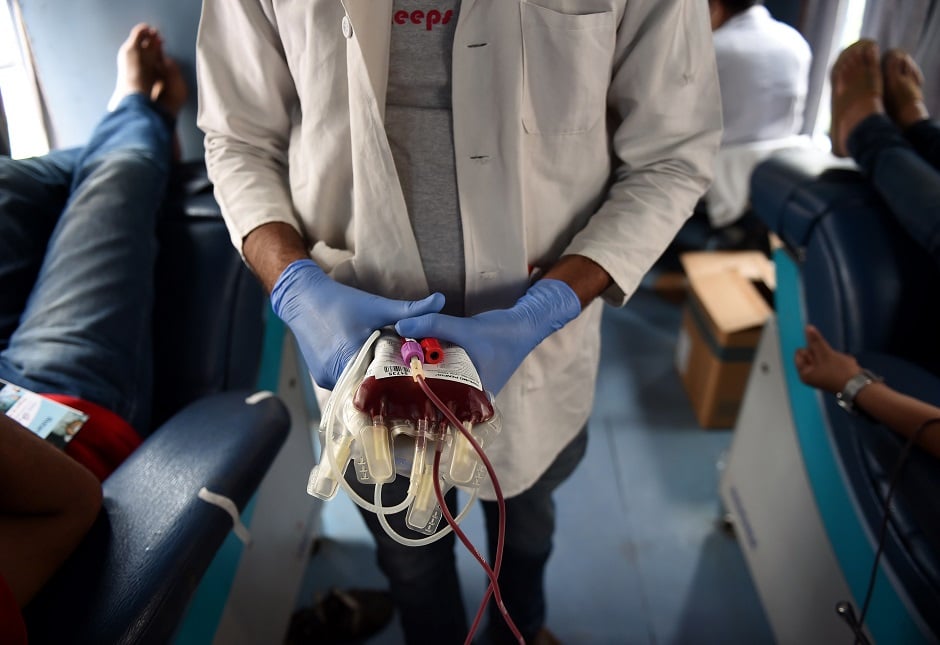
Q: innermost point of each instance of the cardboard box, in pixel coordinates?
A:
(728, 304)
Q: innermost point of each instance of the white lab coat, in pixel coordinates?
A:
(580, 127)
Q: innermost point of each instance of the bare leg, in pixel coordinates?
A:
(170, 91)
(48, 502)
(170, 94)
(856, 91)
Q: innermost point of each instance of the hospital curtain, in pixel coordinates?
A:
(913, 25)
(819, 22)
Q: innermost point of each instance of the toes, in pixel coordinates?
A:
(862, 52)
(909, 68)
(857, 72)
(893, 61)
(144, 38)
(139, 33)
(899, 63)
(153, 40)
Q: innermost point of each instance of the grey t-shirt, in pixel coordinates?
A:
(418, 122)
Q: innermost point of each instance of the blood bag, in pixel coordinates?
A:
(387, 427)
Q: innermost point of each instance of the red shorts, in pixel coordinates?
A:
(104, 441)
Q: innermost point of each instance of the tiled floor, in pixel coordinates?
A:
(639, 556)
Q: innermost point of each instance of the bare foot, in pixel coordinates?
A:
(856, 91)
(170, 91)
(139, 63)
(903, 81)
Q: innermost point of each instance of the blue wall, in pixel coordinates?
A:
(75, 44)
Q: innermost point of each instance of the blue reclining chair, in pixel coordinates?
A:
(131, 578)
(805, 481)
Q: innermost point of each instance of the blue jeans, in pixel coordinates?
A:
(424, 582)
(77, 250)
(905, 170)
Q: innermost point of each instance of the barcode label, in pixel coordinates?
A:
(456, 365)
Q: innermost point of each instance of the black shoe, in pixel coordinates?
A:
(341, 616)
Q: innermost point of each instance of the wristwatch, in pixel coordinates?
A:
(846, 398)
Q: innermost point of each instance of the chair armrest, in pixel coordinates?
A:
(132, 577)
(793, 189)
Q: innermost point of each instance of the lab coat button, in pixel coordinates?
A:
(347, 27)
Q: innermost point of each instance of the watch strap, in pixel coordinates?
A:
(846, 398)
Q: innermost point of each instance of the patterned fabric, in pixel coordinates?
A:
(105, 440)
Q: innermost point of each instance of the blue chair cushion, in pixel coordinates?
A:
(794, 189)
(870, 287)
(134, 573)
(209, 309)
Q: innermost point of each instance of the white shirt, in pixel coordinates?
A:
(582, 127)
(763, 70)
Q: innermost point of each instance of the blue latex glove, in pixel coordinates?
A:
(498, 341)
(332, 321)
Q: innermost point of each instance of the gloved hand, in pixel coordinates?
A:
(499, 340)
(331, 321)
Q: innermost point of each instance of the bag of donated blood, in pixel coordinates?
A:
(389, 426)
(391, 398)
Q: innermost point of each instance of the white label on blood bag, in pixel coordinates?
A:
(456, 366)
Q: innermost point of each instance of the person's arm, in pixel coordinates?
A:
(48, 501)
(330, 321)
(586, 277)
(271, 248)
(246, 99)
(665, 115)
(902, 413)
(821, 366)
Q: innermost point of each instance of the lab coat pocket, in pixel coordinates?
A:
(566, 69)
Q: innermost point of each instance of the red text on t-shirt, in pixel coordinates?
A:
(429, 18)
